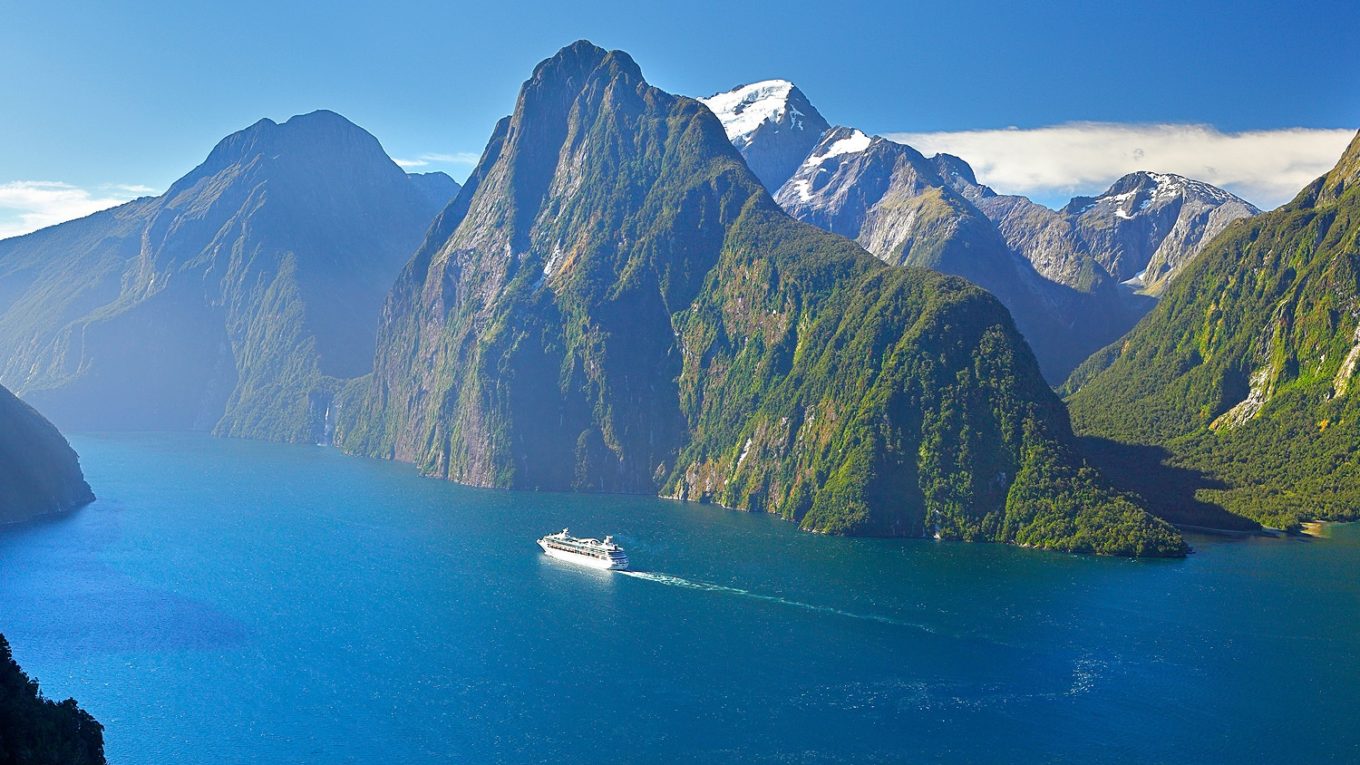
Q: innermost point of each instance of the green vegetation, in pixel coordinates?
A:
(616, 304)
(1245, 372)
(37, 731)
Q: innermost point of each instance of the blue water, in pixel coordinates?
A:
(238, 602)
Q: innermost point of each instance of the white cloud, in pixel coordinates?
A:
(1265, 167)
(27, 206)
(455, 158)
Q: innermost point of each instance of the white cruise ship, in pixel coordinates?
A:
(585, 552)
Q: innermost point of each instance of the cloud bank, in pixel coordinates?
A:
(1052, 164)
(27, 206)
(436, 158)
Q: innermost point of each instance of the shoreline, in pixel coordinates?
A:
(1314, 528)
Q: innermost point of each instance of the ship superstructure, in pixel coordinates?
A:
(595, 553)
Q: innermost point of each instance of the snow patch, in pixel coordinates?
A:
(854, 143)
(742, 110)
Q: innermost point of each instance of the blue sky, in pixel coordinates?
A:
(107, 100)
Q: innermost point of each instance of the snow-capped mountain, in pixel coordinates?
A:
(1160, 221)
(772, 124)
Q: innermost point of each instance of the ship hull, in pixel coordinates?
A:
(583, 560)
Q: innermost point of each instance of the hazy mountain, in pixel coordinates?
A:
(439, 189)
(615, 303)
(772, 124)
(39, 472)
(232, 302)
(1245, 371)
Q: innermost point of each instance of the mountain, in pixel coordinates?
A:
(39, 472)
(1058, 272)
(772, 124)
(1243, 375)
(616, 303)
(233, 302)
(439, 189)
(1140, 232)
(39, 731)
(899, 205)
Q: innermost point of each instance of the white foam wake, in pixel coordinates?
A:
(690, 584)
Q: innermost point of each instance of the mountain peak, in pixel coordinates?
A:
(745, 108)
(308, 142)
(1165, 186)
(439, 188)
(950, 166)
(772, 124)
(576, 61)
(317, 119)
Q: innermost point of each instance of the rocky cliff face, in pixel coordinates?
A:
(39, 472)
(1245, 371)
(615, 303)
(234, 301)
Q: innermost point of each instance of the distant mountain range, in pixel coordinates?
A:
(1059, 272)
(615, 303)
(234, 302)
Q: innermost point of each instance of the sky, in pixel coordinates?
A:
(101, 102)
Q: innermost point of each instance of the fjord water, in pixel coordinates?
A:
(241, 602)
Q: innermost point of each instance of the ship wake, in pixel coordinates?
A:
(690, 584)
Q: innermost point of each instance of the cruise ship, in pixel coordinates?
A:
(585, 552)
